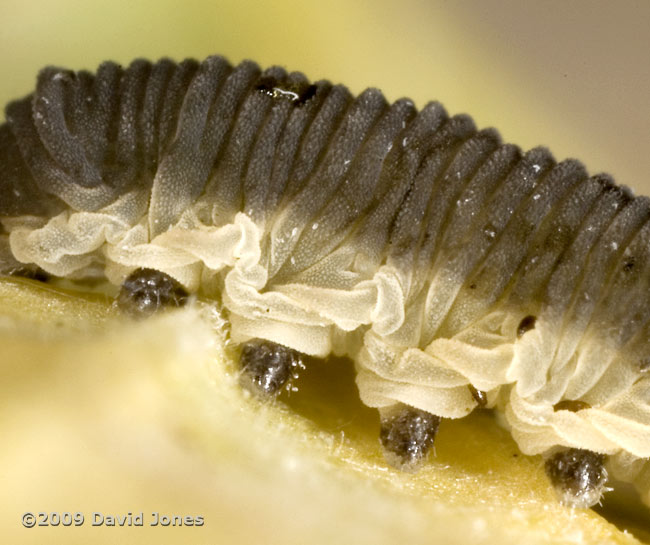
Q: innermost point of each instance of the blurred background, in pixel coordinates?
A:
(573, 76)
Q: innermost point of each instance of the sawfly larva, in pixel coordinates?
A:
(456, 271)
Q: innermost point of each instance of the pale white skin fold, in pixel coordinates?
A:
(426, 294)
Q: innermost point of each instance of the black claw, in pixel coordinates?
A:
(267, 366)
(479, 396)
(407, 437)
(526, 325)
(578, 476)
(146, 291)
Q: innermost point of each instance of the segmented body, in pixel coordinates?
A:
(434, 255)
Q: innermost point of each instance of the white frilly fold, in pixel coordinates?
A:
(308, 318)
(525, 376)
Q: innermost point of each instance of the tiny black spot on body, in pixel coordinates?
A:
(266, 84)
(307, 93)
(146, 291)
(479, 396)
(578, 476)
(407, 437)
(297, 92)
(573, 405)
(628, 265)
(267, 366)
(526, 324)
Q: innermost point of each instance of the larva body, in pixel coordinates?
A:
(455, 270)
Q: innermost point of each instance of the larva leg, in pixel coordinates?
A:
(267, 366)
(578, 476)
(146, 291)
(407, 435)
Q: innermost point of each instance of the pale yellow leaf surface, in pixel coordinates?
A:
(101, 414)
